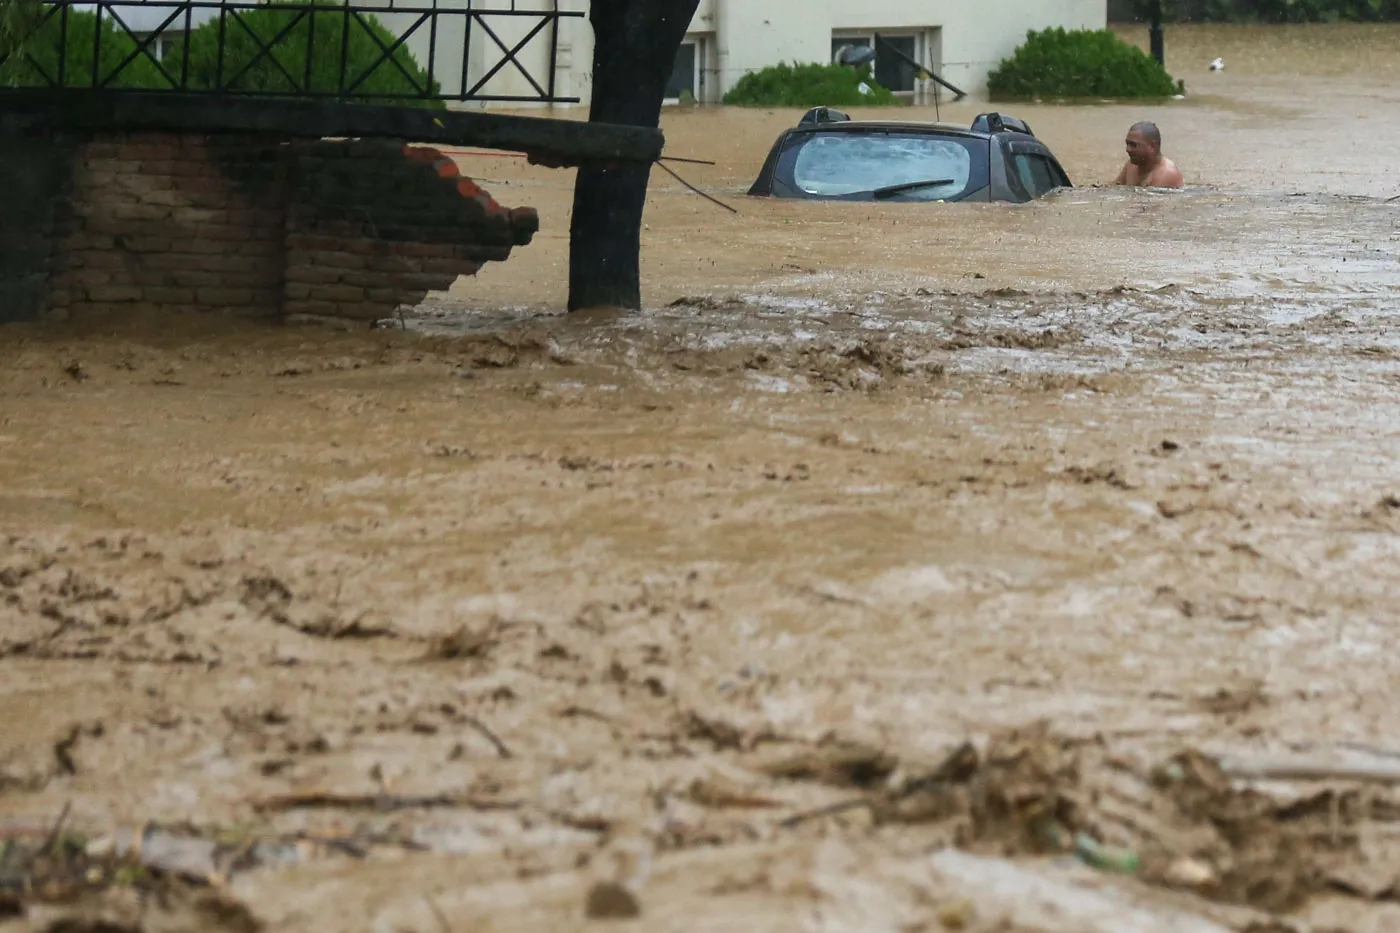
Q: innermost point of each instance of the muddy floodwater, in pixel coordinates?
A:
(901, 568)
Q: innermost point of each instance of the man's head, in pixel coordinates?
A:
(1144, 143)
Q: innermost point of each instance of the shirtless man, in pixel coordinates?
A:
(1147, 167)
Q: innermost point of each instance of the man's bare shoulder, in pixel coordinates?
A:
(1167, 175)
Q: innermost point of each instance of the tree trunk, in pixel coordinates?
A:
(635, 45)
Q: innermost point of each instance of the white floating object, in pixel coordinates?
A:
(1218, 65)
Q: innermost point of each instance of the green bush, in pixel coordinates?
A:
(283, 69)
(17, 20)
(1079, 63)
(31, 40)
(813, 85)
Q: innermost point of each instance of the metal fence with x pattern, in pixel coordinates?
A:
(370, 50)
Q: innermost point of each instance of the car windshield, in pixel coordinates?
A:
(905, 166)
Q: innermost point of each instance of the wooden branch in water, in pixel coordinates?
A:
(831, 809)
(490, 736)
(438, 915)
(51, 841)
(332, 799)
(1310, 768)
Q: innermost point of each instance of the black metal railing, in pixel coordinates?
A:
(391, 50)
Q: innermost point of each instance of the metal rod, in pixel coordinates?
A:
(310, 47)
(97, 43)
(324, 95)
(708, 197)
(25, 53)
(466, 51)
(388, 54)
(185, 65)
(265, 49)
(142, 47)
(432, 50)
(511, 59)
(307, 4)
(554, 50)
(344, 51)
(880, 41)
(62, 46)
(223, 33)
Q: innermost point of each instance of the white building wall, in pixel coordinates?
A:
(978, 36)
(454, 41)
(963, 40)
(755, 34)
(972, 38)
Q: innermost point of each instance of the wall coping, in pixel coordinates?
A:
(561, 141)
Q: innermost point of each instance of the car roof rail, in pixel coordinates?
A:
(819, 115)
(1000, 123)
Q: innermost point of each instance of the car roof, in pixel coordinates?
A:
(908, 126)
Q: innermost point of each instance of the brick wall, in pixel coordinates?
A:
(354, 249)
(242, 225)
(154, 221)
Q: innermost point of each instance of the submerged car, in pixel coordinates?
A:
(829, 156)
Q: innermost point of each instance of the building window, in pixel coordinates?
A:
(891, 71)
(685, 75)
(158, 47)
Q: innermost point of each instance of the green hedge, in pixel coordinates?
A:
(1272, 11)
(17, 18)
(1078, 63)
(813, 85)
(32, 44)
(282, 71)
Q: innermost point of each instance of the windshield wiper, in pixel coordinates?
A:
(889, 190)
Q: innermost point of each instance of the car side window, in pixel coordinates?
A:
(1013, 177)
(1036, 173)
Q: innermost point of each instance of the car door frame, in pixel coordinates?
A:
(1029, 145)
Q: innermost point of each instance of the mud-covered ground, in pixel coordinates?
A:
(900, 569)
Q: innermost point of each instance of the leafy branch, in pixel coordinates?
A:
(18, 21)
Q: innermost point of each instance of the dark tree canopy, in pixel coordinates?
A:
(635, 45)
(1257, 11)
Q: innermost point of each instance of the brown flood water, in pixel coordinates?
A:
(500, 607)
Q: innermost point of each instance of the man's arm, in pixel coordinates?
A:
(1122, 178)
